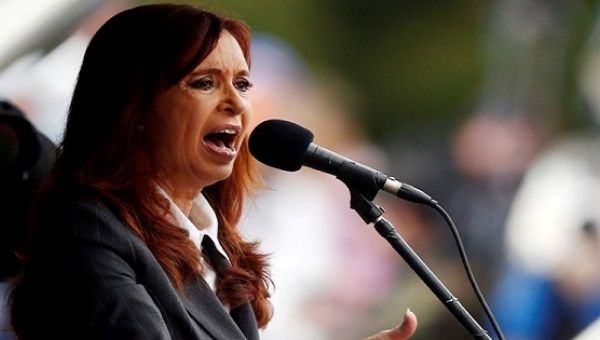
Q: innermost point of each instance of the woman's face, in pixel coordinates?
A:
(203, 119)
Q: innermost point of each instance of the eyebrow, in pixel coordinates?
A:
(217, 70)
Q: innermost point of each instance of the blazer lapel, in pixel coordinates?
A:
(204, 307)
(244, 317)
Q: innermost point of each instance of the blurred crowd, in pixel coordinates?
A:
(524, 194)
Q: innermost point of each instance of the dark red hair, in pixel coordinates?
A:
(134, 56)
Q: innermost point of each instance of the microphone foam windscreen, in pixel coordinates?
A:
(280, 144)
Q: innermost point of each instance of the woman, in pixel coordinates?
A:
(152, 172)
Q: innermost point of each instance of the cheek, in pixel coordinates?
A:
(196, 118)
(191, 112)
(248, 114)
(180, 133)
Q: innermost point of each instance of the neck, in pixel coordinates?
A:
(185, 205)
(182, 198)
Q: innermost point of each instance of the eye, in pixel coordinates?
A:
(203, 84)
(243, 85)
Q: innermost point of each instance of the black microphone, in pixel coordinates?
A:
(288, 146)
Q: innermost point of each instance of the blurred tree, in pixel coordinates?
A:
(412, 66)
(409, 63)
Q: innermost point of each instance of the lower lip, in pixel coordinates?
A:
(222, 154)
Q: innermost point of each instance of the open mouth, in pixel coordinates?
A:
(222, 140)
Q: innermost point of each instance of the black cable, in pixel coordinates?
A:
(467, 266)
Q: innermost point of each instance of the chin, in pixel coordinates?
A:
(220, 174)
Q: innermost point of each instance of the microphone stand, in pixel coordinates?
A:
(372, 213)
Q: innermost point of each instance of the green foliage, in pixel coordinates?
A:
(411, 64)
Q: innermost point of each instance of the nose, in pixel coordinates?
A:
(232, 102)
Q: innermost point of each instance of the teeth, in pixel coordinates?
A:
(228, 131)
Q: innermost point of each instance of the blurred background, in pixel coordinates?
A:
(492, 107)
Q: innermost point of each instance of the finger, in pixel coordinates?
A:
(407, 328)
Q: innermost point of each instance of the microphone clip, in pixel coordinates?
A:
(366, 209)
(361, 179)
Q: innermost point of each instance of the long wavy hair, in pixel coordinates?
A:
(105, 153)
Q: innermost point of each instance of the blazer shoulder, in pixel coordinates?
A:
(86, 220)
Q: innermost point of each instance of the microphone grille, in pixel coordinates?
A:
(280, 144)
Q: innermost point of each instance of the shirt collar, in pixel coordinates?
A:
(201, 222)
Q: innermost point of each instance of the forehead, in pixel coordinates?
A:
(226, 54)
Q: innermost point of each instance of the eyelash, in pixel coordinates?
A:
(206, 84)
(203, 84)
(243, 85)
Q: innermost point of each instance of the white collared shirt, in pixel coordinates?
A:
(202, 221)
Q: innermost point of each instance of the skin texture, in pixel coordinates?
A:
(213, 96)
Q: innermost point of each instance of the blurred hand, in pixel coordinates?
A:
(400, 332)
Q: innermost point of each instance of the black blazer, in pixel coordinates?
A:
(90, 277)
